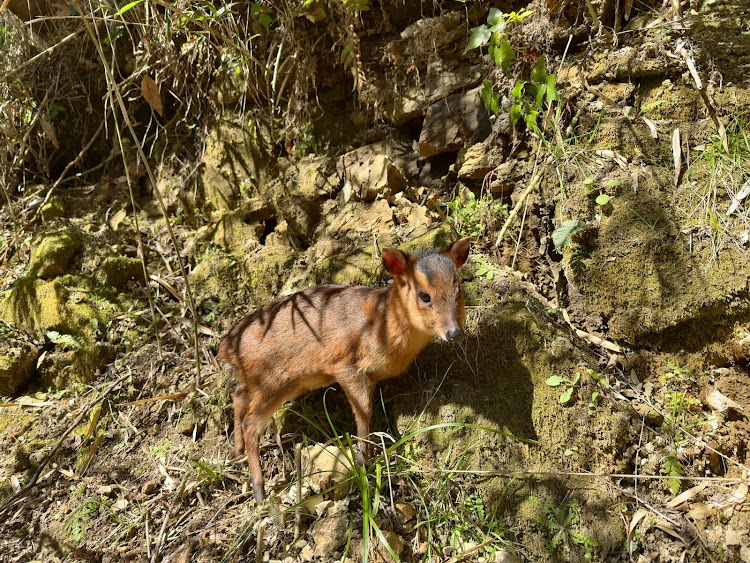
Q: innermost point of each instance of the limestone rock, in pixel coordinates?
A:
(453, 122)
(18, 356)
(330, 532)
(478, 160)
(61, 369)
(379, 169)
(53, 209)
(73, 305)
(53, 252)
(298, 202)
(328, 466)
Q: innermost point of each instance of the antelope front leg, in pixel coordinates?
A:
(359, 390)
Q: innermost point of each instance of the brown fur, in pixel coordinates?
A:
(353, 336)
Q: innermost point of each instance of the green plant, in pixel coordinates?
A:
(76, 523)
(485, 269)
(564, 235)
(568, 385)
(474, 216)
(64, 341)
(563, 523)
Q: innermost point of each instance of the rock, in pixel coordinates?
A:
(733, 538)
(61, 369)
(356, 217)
(116, 271)
(379, 169)
(53, 252)
(328, 466)
(442, 78)
(504, 556)
(330, 532)
(629, 63)
(450, 123)
(73, 305)
(53, 209)
(307, 184)
(234, 234)
(18, 357)
(507, 175)
(479, 159)
(234, 163)
(267, 268)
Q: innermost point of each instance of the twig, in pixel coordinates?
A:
(15, 497)
(163, 531)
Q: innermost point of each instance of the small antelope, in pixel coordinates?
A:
(353, 336)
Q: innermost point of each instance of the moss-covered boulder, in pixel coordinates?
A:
(53, 252)
(73, 305)
(18, 357)
(60, 369)
(53, 209)
(116, 271)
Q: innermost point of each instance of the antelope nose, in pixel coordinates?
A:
(454, 334)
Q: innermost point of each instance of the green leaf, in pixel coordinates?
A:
(612, 183)
(538, 90)
(554, 381)
(562, 235)
(539, 73)
(566, 395)
(515, 113)
(495, 17)
(517, 91)
(588, 181)
(503, 55)
(530, 119)
(479, 36)
(265, 20)
(127, 7)
(602, 199)
(552, 95)
(490, 98)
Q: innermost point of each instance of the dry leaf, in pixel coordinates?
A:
(151, 94)
(615, 157)
(677, 154)
(637, 517)
(723, 135)
(49, 131)
(652, 127)
(737, 199)
(720, 402)
(117, 218)
(686, 495)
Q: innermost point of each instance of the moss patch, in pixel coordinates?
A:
(53, 252)
(18, 356)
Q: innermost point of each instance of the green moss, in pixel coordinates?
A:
(64, 369)
(116, 271)
(69, 305)
(267, 270)
(53, 209)
(53, 252)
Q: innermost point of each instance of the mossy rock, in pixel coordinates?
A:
(53, 209)
(73, 305)
(267, 270)
(116, 271)
(18, 357)
(73, 367)
(53, 252)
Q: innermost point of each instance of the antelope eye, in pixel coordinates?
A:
(424, 297)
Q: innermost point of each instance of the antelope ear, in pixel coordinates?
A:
(459, 252)
(397, 263)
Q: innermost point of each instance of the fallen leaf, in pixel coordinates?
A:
(686, 495)
(676, 154)
(720, 402)
(49, 130)
(652, 127)
(151, 94)
(117, 218)
(737, 199)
